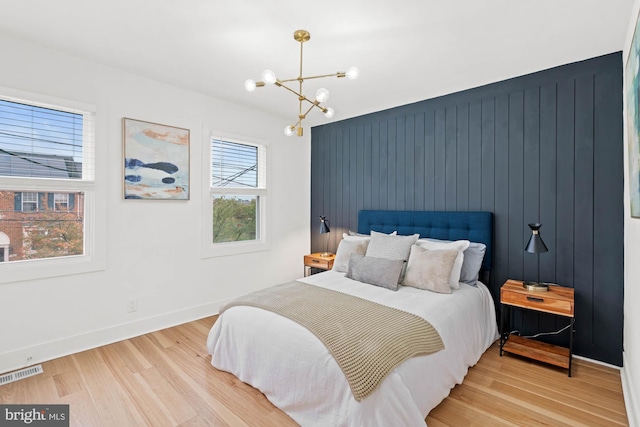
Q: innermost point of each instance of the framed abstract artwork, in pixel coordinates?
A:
(156, 161)
(632, 86)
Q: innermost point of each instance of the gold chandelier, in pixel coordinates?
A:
(322, 94)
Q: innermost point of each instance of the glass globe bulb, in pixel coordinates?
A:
(269, 77)
(329, 113)
(352, 73)
(322, 95)
(288, 131)
(250, 85)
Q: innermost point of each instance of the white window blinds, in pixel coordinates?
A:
(41, 142)
(236, 165)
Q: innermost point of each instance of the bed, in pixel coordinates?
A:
(299, 375)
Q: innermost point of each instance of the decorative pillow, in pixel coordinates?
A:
(458, 245)
(345, 249)
(375, 271)
(359, 236)
(472, 263)
(473, 257)
(391, 247)
(430, 270)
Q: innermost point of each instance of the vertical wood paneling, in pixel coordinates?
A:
(430, 160)
(376, 173)
(439, 178)
(409, 189)
(360, 175)
(565, 173)
(330, 139)
(384, 169)
(391, 165)
(548, 167)
(352, 182)
(450, 161)
(583, 206)
(474, 161)
(488, 154)
(516, 184)
(401, 164)
(368, 188)
(317, 183)
(419, 171)
(531, 168)
(546, 148)
(462, 159)
(501, 182)
(608, 217)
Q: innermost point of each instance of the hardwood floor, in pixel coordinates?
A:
(165, 379)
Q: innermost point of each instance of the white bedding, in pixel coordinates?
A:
(297, 373)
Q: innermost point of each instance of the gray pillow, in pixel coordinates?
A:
(353, 233)
(375, 271)
(430, 269)
(473, 257)
(345, 249)
(391, 247)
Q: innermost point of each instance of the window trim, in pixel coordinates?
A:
(94, 257)
(67, 202)
(210, 249)
(22, 201)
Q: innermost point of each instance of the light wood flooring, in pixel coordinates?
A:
(165, 379)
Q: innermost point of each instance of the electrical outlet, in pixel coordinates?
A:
(132, 305)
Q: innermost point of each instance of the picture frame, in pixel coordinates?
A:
(156, 161)
(632, 95)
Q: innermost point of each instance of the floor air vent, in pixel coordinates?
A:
(21, 374)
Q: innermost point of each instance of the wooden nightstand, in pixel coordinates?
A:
(318, 261)
(558, 300)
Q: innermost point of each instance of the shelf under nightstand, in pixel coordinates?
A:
(558, 301)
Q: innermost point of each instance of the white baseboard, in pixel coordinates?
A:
(631, 397)
(27, 356)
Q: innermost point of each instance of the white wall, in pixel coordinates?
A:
(153, 247)
(631, 356)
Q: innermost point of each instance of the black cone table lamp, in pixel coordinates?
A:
(536, 246)
(324, 229)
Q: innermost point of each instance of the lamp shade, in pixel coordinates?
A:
(536, 245)
(324, 225)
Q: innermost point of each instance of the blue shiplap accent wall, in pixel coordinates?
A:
(545, 147)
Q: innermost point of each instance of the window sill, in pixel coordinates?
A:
(18, 271)
(234, 248)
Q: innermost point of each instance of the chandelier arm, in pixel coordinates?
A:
(338, 74)
(288, 88)
(313, 104)
(299, 95)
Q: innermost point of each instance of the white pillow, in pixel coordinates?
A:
(458, 245)
(345, 249)
(352, 236)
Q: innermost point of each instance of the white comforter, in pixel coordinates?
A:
(298, 374)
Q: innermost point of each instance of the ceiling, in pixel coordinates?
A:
(406, 50)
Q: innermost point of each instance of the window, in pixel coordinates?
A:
(61, 202)
(46, 173)
(29, 202)
(238, 193)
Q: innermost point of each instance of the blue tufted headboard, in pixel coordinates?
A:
(472, 226)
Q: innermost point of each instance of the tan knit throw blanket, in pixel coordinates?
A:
(367, 339)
